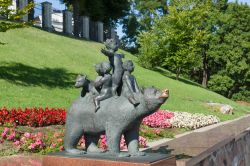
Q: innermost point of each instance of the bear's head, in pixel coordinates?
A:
(80, 81)
(154, 98)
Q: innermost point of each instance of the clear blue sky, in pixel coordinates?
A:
(56, 4)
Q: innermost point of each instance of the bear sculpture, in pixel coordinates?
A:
(116, 116)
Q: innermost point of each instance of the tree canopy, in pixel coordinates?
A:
(207, 41)
(141, 17)
(101, 10)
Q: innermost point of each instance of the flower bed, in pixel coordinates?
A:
(161, 124)
(192, 121)
(158, 119)
(38, 117)
(33, 117)
(49, 142)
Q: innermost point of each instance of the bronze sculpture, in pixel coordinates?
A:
(120, 113)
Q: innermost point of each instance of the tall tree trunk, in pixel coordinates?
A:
(178, 71)
(205, 69)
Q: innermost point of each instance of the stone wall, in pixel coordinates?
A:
(223, 144)
(230, 152)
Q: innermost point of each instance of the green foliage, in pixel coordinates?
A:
(141, 17)
(156, 133)
(230, 52)
(149, 10)
(176, 40)
(202, 40)
(131, 29)
(220, 84)
(12, 15)
(101, 10)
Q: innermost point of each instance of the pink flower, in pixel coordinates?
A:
(61, 148)
(38, 142)
(158, 119)
(142, 142)
(17, 143)
(39, 135)
(56, 135)
(82, 142)
(4, 135)
(1, 141)
(6, 130)
(157, 131)
(23, 139)
(59, 140)
(27, 135)
(12, 136)
(53, 145)
(123, 143)
(32, 146)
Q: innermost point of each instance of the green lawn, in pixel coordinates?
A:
(38, 69)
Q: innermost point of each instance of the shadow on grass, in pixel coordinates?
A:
(21, 74)
(1, 43)
(170, 75)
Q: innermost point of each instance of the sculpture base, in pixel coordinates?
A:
(104, 159)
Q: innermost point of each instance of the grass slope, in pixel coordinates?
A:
(39, 69)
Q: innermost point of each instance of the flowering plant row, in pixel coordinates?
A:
(38, 117)
(33, 117)
(192, 121)
(158, 119)
(44, 143)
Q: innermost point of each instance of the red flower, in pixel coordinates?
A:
(33, 117)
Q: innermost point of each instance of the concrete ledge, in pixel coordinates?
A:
(195, 142)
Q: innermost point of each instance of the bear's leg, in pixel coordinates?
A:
(113, 133)
(132, 141)
(91, 142)
(71, 139)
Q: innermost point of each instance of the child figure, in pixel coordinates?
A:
(103, 82)
(130, 86)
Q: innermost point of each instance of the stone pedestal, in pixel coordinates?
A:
(93, 27)
(100, 31)
(85, 27)
(67, 22)
(151, 159)
(20, 5)
(47, 16)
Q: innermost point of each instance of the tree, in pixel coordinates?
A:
(11, 16)
(230, 52)
(140, 18)
(149, 10)
(98, 10)
(178, 40)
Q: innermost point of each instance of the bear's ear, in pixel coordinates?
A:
(78, 76)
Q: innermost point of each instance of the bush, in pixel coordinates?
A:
(221, 84)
